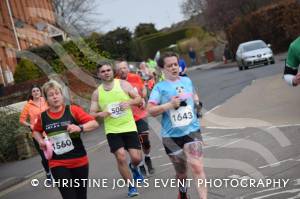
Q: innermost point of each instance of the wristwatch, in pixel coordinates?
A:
(81, 128)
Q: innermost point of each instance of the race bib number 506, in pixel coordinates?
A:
(115, 110)
(183, 116)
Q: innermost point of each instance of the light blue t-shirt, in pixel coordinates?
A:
(180, 122)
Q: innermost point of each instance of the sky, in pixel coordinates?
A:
(129, 13)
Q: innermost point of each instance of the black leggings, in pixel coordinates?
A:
(44, 160)
(79, 192)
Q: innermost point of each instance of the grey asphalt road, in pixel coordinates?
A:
(219, 84)
(231, 155)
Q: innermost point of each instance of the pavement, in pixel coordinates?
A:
(266, 102)
(257, 105)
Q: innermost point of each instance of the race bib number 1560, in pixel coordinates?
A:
(61, 143)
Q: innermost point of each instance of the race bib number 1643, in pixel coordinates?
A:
(183, 116)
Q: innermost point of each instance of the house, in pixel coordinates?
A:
(24, 24)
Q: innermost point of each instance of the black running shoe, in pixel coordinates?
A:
(148, 162)
(143, 170)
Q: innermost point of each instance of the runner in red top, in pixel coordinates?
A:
(139, 113)
(63, 125)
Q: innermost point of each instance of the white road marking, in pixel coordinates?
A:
(225, 145)
(212, 109)
(235, 141)
(284, 125)
(212, 138)
(275, 164)
(243, 127)
(262, 191)
(278, 193)
(234, 176)
(245, 177)
(297, 182)
(156, 157)
(94, 148)
(167, 164)
(206, 133)
(225, 128)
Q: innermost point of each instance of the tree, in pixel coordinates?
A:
(117, 43)
(220, 14)
(191, 8)
(80, 15)
(144, 29)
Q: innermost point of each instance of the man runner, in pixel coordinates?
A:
(139, 113)
(112, 101)
(176, 100)
(291, 75)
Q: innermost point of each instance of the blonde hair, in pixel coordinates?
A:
(52, 84)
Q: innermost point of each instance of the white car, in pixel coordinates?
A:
(254, 53)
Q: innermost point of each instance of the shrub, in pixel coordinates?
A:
(277, 24)
(10, 127)
(81, 57)
(26, 70)
(149, 44)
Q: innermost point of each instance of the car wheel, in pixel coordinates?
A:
(240, 67)
(272, 62)
(246, 67)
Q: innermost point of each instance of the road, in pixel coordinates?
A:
(230, 154)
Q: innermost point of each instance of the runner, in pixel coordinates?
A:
(35, 105)
(291, 74)
(182, 67)
(63, 125)
(176, 100)
(112, 101)
(139, 113)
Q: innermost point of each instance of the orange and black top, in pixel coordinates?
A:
(52, 122)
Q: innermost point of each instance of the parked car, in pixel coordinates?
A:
(254, 53)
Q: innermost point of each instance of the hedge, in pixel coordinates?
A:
(278, 24)
(149, 44)
(10, 127)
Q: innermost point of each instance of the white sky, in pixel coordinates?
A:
(129, 13)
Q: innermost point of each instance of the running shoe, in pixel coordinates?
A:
(49, 179)
(148, 162)
(132, 191)
(137, 176)
(143, 170)
(183, 195)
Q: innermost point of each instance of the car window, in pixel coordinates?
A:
(254, 46)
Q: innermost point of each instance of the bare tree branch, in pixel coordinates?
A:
(191, 8)
(79, 14)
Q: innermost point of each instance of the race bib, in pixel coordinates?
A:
(61, 143)
(115, 110)
(183, 116)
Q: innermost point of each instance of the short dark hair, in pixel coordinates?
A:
(102, 63)
(161, 60)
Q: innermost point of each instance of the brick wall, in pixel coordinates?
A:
(27, 13)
